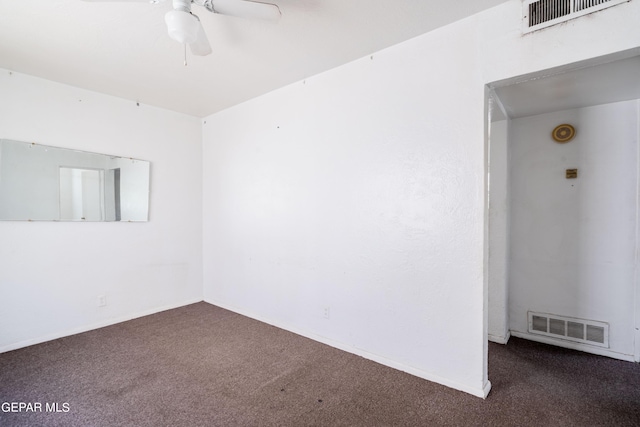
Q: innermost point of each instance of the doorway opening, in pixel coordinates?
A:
(563, 207)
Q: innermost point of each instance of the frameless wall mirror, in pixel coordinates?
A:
(42, 183)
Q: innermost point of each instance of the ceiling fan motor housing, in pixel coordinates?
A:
(182, 5)
(182, 25)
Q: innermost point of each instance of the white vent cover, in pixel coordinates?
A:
(570, 329)
(539, 14)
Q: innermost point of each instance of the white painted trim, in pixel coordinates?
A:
(637, 254)
(500, 340)
(96, 325)
(486, 389)
(574, 346)
(493, 99)
(478, 392)
(486, 245)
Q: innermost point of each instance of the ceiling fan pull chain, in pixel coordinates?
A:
(185, 54)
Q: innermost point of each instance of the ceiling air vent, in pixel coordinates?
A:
(569, 329)
(539, 14)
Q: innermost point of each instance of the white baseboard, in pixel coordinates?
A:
(97, 325)
(600, 351)
(478, 392)
(498, 339)
(486, 389)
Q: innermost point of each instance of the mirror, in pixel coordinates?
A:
(42, 183)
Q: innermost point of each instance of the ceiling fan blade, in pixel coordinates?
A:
(201, 46)
(247, 9)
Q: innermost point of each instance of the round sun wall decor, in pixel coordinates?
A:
(563, 133)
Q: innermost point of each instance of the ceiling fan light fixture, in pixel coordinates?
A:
(182, 26)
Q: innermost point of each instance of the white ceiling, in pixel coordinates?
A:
(123, 49)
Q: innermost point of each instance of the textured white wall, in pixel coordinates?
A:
(353, 190)
(573, 241)
(362, 190)
(51, 274)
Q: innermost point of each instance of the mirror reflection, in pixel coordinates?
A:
(43, 183)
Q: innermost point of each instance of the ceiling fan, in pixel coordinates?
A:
(185, 27)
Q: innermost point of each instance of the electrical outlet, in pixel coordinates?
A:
(326, 312)
(102, 300)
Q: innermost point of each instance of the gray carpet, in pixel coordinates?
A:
(201, 365)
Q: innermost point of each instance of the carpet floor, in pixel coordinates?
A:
(201, 365)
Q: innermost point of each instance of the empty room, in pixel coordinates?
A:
(303, 212)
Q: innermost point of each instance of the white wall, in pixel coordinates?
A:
(355, 191)
(573, 241)
(51, 274)
(362, 190)
(498, 254)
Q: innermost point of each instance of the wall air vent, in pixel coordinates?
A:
(569, 329)
(539, 14)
